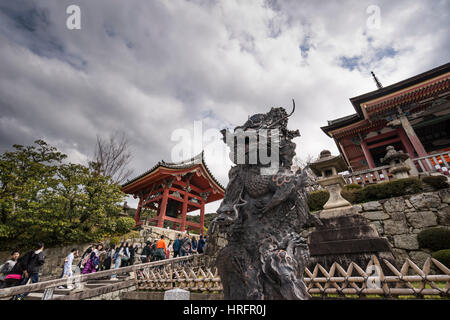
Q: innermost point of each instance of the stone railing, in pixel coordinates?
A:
(355, 281)
(433, 163)
(81, 292)
(409, 281)
(193, 275)
(437, 162)
(369, 176)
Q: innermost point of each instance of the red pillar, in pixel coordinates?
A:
(137, 217)
(413, 137)
(414, 140)
(162, 210)
(184, 212)
(406, 143)
(202, 217)
(367, 154)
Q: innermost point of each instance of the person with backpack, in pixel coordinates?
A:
(91, 264)
(117, 259)
(133, 251)
(201, 245)
(125, 255)
(153, 251)
(177, 246)
(15, 276)
(194, 243)
(146, 252)
(185, 245)
(109, 257)
(32, 263)
(6, 268)
(84, 258)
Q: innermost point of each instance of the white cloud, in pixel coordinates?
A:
(150, 67)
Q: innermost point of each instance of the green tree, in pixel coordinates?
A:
(43, 199)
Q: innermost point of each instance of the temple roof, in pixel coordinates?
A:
(406, 92)
(407, 83)
(181, 166)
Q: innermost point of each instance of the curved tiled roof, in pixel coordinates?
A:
(186, 164)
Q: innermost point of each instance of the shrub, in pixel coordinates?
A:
(124, 225)
(384, 190)
(114, 240)
(350, 191)
(352, 186)
(442, 256)
(434, 239)
(436, 182)
(354, 193)
(317, 199)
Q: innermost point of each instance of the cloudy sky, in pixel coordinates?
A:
(153, 69)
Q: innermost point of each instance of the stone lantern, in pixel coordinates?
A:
(345, 235)
(327, 168)
(396, 159)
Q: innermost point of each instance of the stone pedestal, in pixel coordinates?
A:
(177, 294)
(334, 186)
(347, 236)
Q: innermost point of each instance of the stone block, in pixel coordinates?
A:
(444, 216)
(419, 257)
(400, 256)
(425, 200)
(445, 195)
(392, 227)
(378, 226)
(406, 241)
(398, 216)
(395, 204)
(372, 206)
(376, 215)
(408, 204)
(421, 219)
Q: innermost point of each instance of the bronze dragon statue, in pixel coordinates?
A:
(262, 213)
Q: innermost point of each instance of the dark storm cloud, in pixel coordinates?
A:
(148, 68)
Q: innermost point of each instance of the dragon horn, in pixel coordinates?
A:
(293, 109)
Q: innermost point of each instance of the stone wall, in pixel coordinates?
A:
(55, 256)
(398, 219)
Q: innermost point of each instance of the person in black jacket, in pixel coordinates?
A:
(146, 252)
(32, 262)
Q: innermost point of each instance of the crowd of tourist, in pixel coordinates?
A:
(20, 270)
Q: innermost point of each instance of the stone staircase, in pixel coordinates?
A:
(89, 285)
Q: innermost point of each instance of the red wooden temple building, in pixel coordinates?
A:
(412, 115)
(173, 190)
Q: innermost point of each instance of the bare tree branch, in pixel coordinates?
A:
(302, 163)
(112, 157)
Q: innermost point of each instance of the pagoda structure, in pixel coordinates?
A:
(412, 115)
(173, 190)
